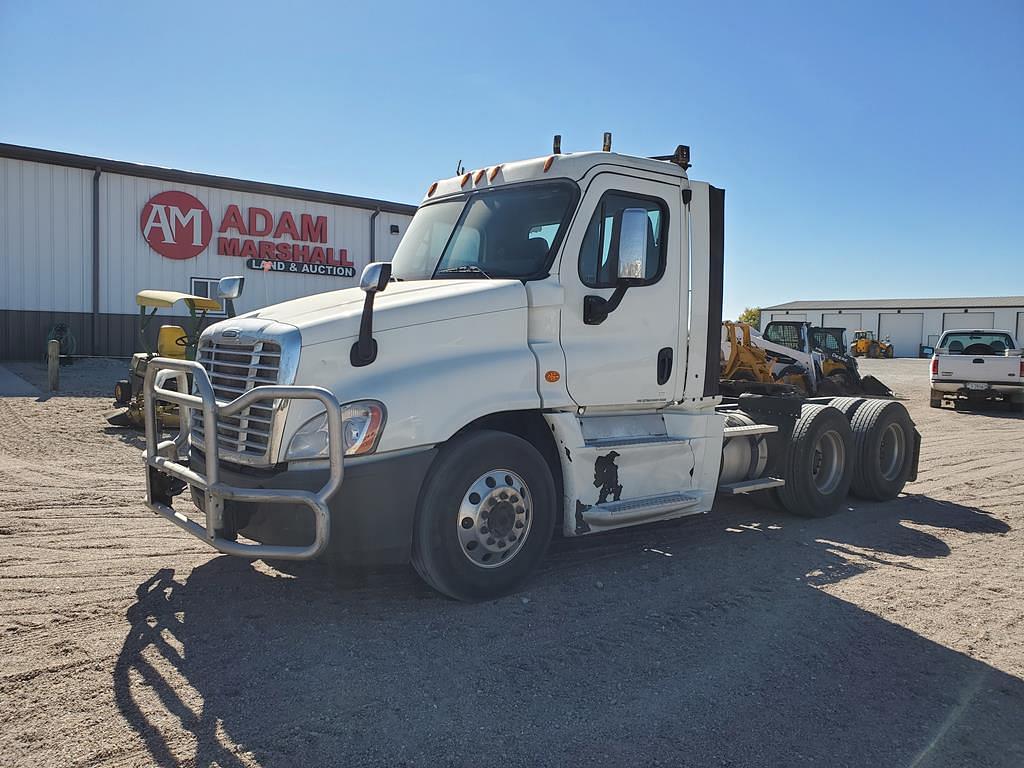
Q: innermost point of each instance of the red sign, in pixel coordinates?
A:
(176, 225)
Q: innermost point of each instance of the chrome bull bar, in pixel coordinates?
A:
(164, 459)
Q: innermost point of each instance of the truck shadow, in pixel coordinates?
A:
(993, 408)
(704, 641)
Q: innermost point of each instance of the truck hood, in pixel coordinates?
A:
(335, 315)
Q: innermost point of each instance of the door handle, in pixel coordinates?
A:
(664, 365)
(978, 360)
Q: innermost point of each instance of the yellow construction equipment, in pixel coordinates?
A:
(173, 341)
(865, 344)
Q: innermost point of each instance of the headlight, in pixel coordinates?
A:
(361, 425)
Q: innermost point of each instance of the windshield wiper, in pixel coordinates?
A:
(464, 268)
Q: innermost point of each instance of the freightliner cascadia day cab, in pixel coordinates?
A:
(543, 353)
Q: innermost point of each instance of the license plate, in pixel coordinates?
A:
(976, 385)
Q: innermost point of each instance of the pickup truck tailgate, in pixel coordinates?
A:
(993, 369)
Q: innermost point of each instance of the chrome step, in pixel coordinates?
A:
(750, 431)
(749, 486)
(628, 441)
(635, 510)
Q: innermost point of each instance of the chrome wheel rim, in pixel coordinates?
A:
(494, 518)
(828, 462)
(890, 452)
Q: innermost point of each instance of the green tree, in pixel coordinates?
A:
(751, 315)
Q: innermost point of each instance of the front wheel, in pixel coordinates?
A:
(486, 516)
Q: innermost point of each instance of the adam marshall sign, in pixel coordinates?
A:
(178, 226)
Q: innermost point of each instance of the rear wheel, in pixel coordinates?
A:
(818, 464)
(883, 435)
(486, 516)
(847, 405)
(873, 350)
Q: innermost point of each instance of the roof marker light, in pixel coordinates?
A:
(465, 178)
(548, 162)
(493, 173)
(432, 190)
(479, 175)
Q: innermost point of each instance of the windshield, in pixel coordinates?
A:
(509, 231)
(976, 343)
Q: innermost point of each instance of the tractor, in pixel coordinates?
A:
(173, 341)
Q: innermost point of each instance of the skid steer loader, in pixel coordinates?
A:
(834, 371)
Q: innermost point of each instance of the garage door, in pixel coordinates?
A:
(851, 321)
(904, 330)
(1020, 328)
(966, 320)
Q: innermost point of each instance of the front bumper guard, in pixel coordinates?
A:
(167, 460)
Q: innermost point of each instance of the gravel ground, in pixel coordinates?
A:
(890, 634)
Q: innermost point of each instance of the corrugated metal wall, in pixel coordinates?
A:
(46, 215)
(45, 237)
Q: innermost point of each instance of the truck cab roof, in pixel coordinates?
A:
(573, 166)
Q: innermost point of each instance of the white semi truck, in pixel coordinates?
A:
(542, 354)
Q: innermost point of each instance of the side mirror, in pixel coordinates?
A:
(633, 244)
(230, 287)
(375, 277)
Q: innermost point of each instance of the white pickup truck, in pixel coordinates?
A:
(541, 355)
(977, 365)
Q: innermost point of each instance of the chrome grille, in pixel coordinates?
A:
(235, 369)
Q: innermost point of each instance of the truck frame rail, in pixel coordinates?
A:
(166, 463)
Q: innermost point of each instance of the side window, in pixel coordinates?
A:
(599, 258)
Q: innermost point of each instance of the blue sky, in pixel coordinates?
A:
(867, 149)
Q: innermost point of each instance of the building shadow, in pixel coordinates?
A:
(706, 641)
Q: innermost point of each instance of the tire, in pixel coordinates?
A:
(935, 399)
(890, 352)
(818, 464)
(847, 405)
(453, 549)
(873, 350)
(122, 392)
(883, 435)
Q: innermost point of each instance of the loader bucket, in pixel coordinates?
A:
(872, 386)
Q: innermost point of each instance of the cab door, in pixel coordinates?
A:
(628, 358)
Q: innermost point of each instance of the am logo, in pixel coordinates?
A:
(176, 225)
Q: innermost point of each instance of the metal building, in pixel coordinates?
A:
(908, 323)
(80, 236)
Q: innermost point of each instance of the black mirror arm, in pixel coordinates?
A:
(364, 350)
(597, 308)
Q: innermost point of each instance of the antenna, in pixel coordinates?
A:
(607, 147)
(459, 170)
(556, 144)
